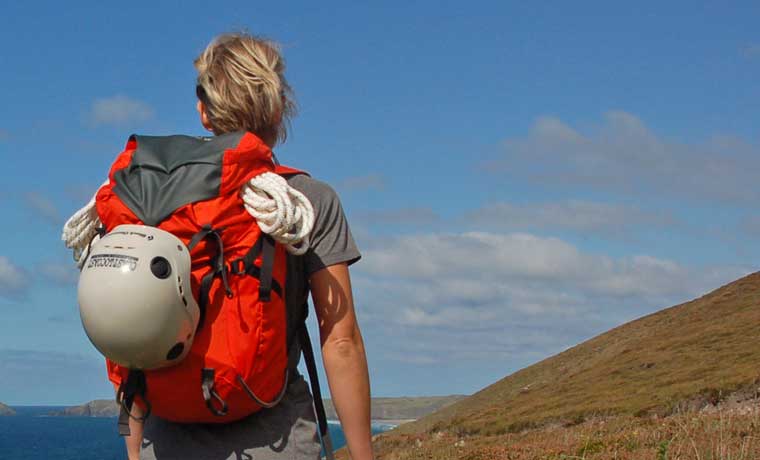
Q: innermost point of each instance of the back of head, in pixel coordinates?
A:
(242, 84)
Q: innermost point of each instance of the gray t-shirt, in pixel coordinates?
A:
(288, 430)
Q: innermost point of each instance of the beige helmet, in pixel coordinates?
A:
(135, 299)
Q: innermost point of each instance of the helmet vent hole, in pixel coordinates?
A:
(179, 248)
(160, 268)
(184, 300)
(175, 351)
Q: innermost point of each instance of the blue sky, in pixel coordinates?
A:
(519, 178)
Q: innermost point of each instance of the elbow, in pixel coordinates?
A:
(344, 347)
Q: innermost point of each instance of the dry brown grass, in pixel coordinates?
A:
(726, 434)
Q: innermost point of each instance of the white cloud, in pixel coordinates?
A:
(14, 281)
(622, 154)
(119, 110)
(575, 215)
(492, 296)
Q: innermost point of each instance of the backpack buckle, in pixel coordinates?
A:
(237, 266)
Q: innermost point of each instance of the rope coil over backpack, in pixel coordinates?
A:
(200, 191)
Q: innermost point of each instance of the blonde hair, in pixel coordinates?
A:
(241, 81)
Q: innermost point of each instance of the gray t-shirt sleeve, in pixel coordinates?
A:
(331, 239)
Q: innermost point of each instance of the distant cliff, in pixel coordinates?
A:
(401, 408)
(97, 408)
(382, 408)
(5, 410)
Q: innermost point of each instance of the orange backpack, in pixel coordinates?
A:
(189, 186)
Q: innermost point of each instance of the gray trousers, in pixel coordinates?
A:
(287, 431)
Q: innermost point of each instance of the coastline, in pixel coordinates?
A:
(392, 422)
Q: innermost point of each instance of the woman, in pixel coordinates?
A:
(241, 87)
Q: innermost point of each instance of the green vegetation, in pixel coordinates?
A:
(677, 360)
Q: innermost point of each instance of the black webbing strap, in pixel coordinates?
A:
(247, 265)
(203, 295)
(218, 268)
(207, 387)
(319, 407)
(134, 385)
(267, 267)
(249, 258)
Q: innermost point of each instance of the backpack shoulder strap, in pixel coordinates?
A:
(319, 407)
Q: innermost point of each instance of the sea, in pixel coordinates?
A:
(33, 435)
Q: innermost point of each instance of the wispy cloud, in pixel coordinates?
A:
(574, 215)
(403, 216)
(119, 110)
(621, 154)
(14, 281)
(80, 193)
(43, 207)
(500, 295)
(362, 183)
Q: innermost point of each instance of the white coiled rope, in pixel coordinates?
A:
(281, 211)
(81, 230)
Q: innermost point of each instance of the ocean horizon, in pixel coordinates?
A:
(32, 434)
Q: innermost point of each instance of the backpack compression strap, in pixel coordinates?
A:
(218, 268)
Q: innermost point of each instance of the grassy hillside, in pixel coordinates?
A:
(700, 349)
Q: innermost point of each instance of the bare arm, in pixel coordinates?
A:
(134, 440)
(343, 356)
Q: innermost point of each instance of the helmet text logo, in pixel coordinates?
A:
(113, 261)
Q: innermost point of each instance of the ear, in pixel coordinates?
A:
(201, 107)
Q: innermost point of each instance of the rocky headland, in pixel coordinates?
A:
(96, 408)
(6, 410)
